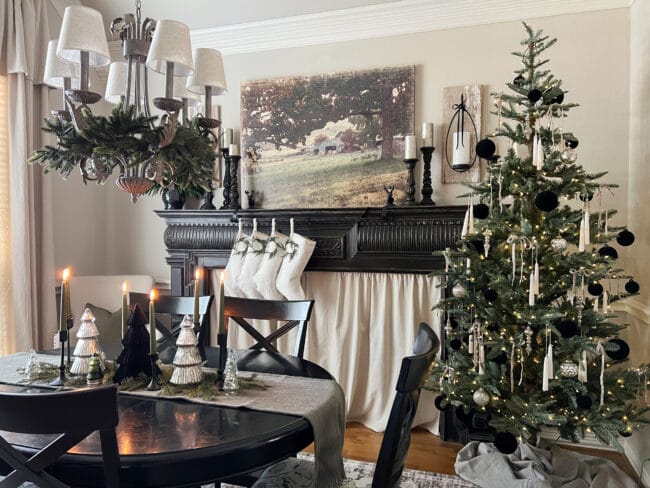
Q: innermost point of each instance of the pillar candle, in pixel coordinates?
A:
(461, 149)
(410, 151)
(125, 309)
(62, 311)
(234, 150)
(427, 134)
(153, 343)
(220, 329)
(227, 139)
(197, 283)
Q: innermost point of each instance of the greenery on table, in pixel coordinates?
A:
(97, 145)
(494, 306)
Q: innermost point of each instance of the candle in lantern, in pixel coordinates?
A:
(410, 151)
(227, 139)
(461, 150)
(197, 278)
(427, 134)
(222, 281)
(234, 150)
(125, 309)
(153, 344)
(64, 290)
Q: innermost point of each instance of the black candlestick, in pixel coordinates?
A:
(69, 325)
(222, 340)
(410, 182)
(207, 201)
(234, 184)
(226, 179)
(60, 381)
(427, 191)
(154, 384)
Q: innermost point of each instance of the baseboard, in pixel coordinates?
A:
(590, 441)
(643, 470)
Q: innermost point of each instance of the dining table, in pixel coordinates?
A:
(177, 443)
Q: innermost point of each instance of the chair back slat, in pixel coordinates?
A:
(397, 437)
(296, 313)
(71, 414)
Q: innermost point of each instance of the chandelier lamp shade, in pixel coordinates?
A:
(208, 79)
(150, 152)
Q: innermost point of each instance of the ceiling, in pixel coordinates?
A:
(202, 14)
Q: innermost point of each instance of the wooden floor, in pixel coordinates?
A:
(429, 453)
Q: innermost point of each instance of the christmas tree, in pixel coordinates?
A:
(531, 338)
(187, 360)
(87, 344)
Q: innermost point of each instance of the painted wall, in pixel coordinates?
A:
(638, 446)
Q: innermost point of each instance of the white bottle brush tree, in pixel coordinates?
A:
(87, 344)
(531, 337)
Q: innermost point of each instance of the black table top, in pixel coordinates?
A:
(178, 443)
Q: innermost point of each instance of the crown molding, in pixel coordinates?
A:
(382, 20)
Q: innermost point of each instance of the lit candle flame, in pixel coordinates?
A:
(152, 295)
(223, 277)
(66, 274)
(124, 287)
(197, 274)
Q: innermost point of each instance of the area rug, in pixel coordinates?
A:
(359, 475)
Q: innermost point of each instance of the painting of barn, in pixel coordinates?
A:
(327, 141)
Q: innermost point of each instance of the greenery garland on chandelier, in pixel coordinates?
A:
(97, 145)
(530, 338)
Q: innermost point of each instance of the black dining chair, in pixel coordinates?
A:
(297, 473)
(295, 313)
(71, 414)
(176, 307)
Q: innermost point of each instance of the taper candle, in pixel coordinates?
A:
(62, 311)
(197, 282)
(427, 134)
(153, 343)
(68, 307)
(410, 151)
(227, 139)
(125, 309)
(222, 281)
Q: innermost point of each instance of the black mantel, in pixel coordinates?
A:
(395, 240)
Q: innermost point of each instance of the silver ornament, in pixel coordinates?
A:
(559, 243)
(569, 155)
(481, 397)
(569, 369)
(459, 291)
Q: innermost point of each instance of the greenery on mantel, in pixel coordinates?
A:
(97, 145)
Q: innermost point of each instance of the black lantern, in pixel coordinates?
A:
(461, 141)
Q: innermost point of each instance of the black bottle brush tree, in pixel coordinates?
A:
(530, 336)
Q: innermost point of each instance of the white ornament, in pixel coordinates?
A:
(559, 244)
(459, 291)
(481, 397)
(569, 369)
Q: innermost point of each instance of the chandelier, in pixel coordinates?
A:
(162, 46)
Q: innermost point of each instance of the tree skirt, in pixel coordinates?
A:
(359, 475)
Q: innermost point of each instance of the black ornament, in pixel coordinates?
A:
(455, 344)
(490, 295)
(568, 328)
(595, 289)
(505, 442)
(621, 353)
(546, 201)
(572, 143)
(478, 245)
(534, 95)
(492, 328)
(632, 287)
(481, 211)
(586, 197)
(485, 148)
(441, 402)
(608, 251)
(624, 433)
(502, 358)
(584, 402)
(453, 322)
(519, 80)
(625, 238)
(558, 99)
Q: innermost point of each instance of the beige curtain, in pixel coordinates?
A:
(362, 325)
(24, 33)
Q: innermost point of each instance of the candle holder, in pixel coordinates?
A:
(234, 184)
(60, 381)
(154, 384)
(69, 325)
(222, 340)
(427, 190)
(410, 182)
(207, 201)
(226, 179)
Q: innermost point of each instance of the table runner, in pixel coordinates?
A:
(310, 398)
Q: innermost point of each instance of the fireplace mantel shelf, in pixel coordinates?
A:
(393, 240)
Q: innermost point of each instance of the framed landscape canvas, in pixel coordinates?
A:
(327, 141)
